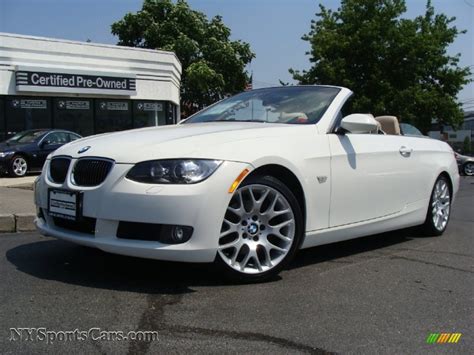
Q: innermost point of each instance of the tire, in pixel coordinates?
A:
(251, 249)
(468, 168)
(439, 209)
(18, 166)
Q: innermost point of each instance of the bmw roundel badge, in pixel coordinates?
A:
(84, 149)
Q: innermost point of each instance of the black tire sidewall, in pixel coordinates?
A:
(299, 232)
(12, 172)
(464, 169)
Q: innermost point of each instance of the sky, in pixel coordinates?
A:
(272, 27)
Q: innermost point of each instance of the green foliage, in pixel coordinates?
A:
(466, 146)
(394, 66)
(213, 65)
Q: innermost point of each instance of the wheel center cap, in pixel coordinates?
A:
(252, 228)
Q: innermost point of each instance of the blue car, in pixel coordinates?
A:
(27, 151)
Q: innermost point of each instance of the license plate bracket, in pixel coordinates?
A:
(65, 204)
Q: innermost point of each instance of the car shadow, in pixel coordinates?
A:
(73, 264)
(335, 251)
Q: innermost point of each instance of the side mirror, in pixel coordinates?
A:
(359, 123)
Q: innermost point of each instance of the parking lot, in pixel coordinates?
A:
(379, 294)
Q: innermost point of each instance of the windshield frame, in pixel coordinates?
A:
(337, 91)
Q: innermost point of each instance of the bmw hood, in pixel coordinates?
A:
(195, 140)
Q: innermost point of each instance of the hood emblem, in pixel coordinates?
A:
(84, 149)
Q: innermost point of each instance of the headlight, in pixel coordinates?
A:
(6, 154)
(182, 171)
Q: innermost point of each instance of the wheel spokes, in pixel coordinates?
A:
(440, 205)
(258, 229)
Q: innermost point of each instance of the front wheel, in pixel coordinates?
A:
(19, 166)
(261, 231)
(468, 169)
(439, 209)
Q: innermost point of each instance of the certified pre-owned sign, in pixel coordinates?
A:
(28, 79)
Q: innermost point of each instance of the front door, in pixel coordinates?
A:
(371, 175)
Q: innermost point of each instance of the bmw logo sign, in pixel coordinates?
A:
(84, 149)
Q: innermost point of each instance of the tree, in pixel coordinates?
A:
(213, 65)
(394, 66)
(466, 145)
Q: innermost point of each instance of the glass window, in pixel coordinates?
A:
(72, 137)
(24, 113)
(27, 136)
(410, 130)
(148, 113)
(286, 104)
(57, 138)
(3, 134)
(112, 115)
(171, 116)
(74, 115)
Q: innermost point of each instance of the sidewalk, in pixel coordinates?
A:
(17, 210)
(23, 182)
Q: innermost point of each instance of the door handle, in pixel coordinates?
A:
(405, 152)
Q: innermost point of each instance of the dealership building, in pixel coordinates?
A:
(86, 88)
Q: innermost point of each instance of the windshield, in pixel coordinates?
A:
(26, 137)
(409, 130)
(287, 104)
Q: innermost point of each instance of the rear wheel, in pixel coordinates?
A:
(468, 169)
(261, 231)
(439, 209)
(18, 166)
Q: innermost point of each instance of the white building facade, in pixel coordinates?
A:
(84, 87)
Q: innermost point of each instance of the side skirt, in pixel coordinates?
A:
(412, 215)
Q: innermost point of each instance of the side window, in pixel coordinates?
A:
(57, 138)
(73, 137)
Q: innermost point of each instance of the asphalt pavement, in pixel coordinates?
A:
(382, 294)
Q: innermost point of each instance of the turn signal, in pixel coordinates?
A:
(237, 181)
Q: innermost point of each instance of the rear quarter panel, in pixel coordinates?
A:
(432, 158)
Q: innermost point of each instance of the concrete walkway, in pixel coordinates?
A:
(17, 209)
(13, 182)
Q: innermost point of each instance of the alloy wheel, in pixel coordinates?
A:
(19, 166)
(469, 169)
(258, 230)
(441, 204)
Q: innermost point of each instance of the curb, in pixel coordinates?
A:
(20, 222)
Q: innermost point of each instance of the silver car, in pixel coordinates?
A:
(465, 164)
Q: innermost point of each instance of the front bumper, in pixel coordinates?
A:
(201, 206)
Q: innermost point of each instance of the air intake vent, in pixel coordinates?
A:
(91, 172)
(58, 169)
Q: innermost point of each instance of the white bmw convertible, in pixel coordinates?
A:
(247, 182)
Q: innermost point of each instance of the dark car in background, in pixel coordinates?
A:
(465, 164)
(27, 151)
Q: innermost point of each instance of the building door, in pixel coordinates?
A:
(75, 115)
(23, 112)
(148, 113)
(112, 115)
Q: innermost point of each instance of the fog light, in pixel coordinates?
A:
(176, 234)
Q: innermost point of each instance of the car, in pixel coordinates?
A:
(465, 164)
(27, 151)
(247, 182)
